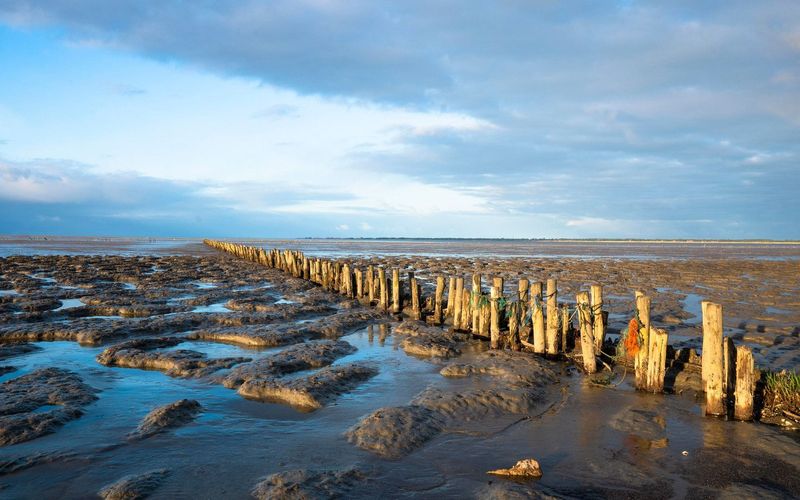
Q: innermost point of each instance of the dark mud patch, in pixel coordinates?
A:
(40, 402)
(312, 392)
(167, 417)
(309, 484)
(424, 340)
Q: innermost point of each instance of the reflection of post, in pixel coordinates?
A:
(370, 333)
(597, 312)
(495, 319)
(712, 361)
(551, 338)
(587, 342)
(437, 300)
(745, 383)
(383, 330)
(640, 361)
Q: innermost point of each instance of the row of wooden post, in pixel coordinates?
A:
(535, 319)
(728, 371)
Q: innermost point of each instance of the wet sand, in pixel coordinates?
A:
(450, 418)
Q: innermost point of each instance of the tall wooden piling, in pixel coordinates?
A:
(474, 307)
(587, 342)
(728, 370)
(384, 301)
(458, 300)
(640, 361)
(416, 312)
(537, 317)
(656, 360)
(359, 283)
(371, 284)
(712, 358)
(566, 327)
(745, 384)
(438, 316)
(494, 316)
(551, 338)
(522, 296)
(598, 325)
(397, 304)
(451, 297)
(513, 310)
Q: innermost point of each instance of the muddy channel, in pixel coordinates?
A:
(196, 375)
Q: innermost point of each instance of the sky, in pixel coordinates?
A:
(328, 118)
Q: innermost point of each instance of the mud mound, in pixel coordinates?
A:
(38, 403)
(255, 336)
(14, 350)
(311, 392)
(308, 484)
(180, 363)
(166, 417)
(304, 356)
(394, 432)
(134, 487)
(428, 341)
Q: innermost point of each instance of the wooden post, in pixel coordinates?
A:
(457, 302)
(587, 342)
(597, 311)
(416, 313)
(437, 301)
(474, 298)
(537, 317)
(656, 360)
(384, 302)
(513, 325)
(371, 284)
(728, 370)
(566, 327)
(451, 297)
(466, 309)
(745, 383)
(712, 360)
(551, 338)
(494, 329)
(522, 297)
(640, 362)
(486, 319)
(397, 306)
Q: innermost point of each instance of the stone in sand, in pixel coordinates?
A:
(24, 402)
(311, 392)
(134, 487)
(165, 417)
(309, 484)
(525, 468)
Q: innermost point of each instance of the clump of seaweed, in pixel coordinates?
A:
(781, 396)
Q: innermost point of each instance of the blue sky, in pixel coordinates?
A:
(449, 119)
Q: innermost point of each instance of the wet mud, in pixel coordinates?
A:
(218, 362)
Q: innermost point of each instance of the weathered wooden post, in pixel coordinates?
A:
(397, 305)
(640, 361)
(587, 342)
(359, 283)
(537, 317)
(384, 289)
(451, 297)
(416, 313)
(458, 302)
(566, 327)
(438, 317)
(522, 297)
(513, 325)
(551, 338)
(728, 370)
(657, 360)
(371, 284)
(597, 312)
(473, 300)
(712, 359)
(466, 310)
(745, 384)
(494, 329)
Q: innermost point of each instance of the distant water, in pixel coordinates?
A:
(432, 248)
